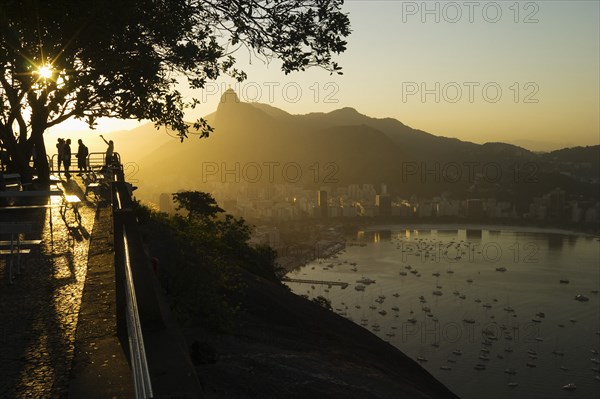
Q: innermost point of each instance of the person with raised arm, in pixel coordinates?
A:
(108, 157)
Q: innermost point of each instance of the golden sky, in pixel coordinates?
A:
(521, 72)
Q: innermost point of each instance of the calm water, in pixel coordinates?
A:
(522, 318)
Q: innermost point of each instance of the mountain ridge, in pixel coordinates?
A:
(362, 150)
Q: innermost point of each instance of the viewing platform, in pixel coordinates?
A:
(51, 305)
(81, 311)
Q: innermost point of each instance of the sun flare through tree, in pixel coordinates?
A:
(87, 60)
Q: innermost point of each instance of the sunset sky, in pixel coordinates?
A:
(525, 73)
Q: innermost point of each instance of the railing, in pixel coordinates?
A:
(95, 160)
(157, 352)
(137, 352)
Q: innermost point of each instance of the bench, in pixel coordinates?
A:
(31, 194)
(10, 181)
(70, 202)
(94, 188)
(15, 245)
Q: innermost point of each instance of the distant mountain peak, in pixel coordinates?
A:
(347, 110)
(229, 98)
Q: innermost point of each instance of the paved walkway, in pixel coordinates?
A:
(39, 312)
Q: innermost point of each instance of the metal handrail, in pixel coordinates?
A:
(94, 159)
(139, 364)
(141, 310)
(137, 353)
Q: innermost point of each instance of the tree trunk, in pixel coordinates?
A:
(41, 159)
(38, 126)
(18, 161)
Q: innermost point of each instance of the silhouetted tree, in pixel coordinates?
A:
(200, 206)
(123, 59)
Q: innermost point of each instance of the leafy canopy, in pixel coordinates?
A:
(124, 59)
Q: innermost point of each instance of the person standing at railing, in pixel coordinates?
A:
(108, 157)
(67, 158)
(60, 148)
(82, 153)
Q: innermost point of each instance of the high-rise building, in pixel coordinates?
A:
(322, 203)
(556, 203)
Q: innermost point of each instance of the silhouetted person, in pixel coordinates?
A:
(108, 157)
(60, 147)
(82, 153)
(67, 158)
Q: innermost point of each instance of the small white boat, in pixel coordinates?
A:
(513, 384)
(569, 387)
(510, 371)
(421, 359)
(581, 298)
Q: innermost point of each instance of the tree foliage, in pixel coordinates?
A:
(198, 205)
(202, 256)
(124, 59)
